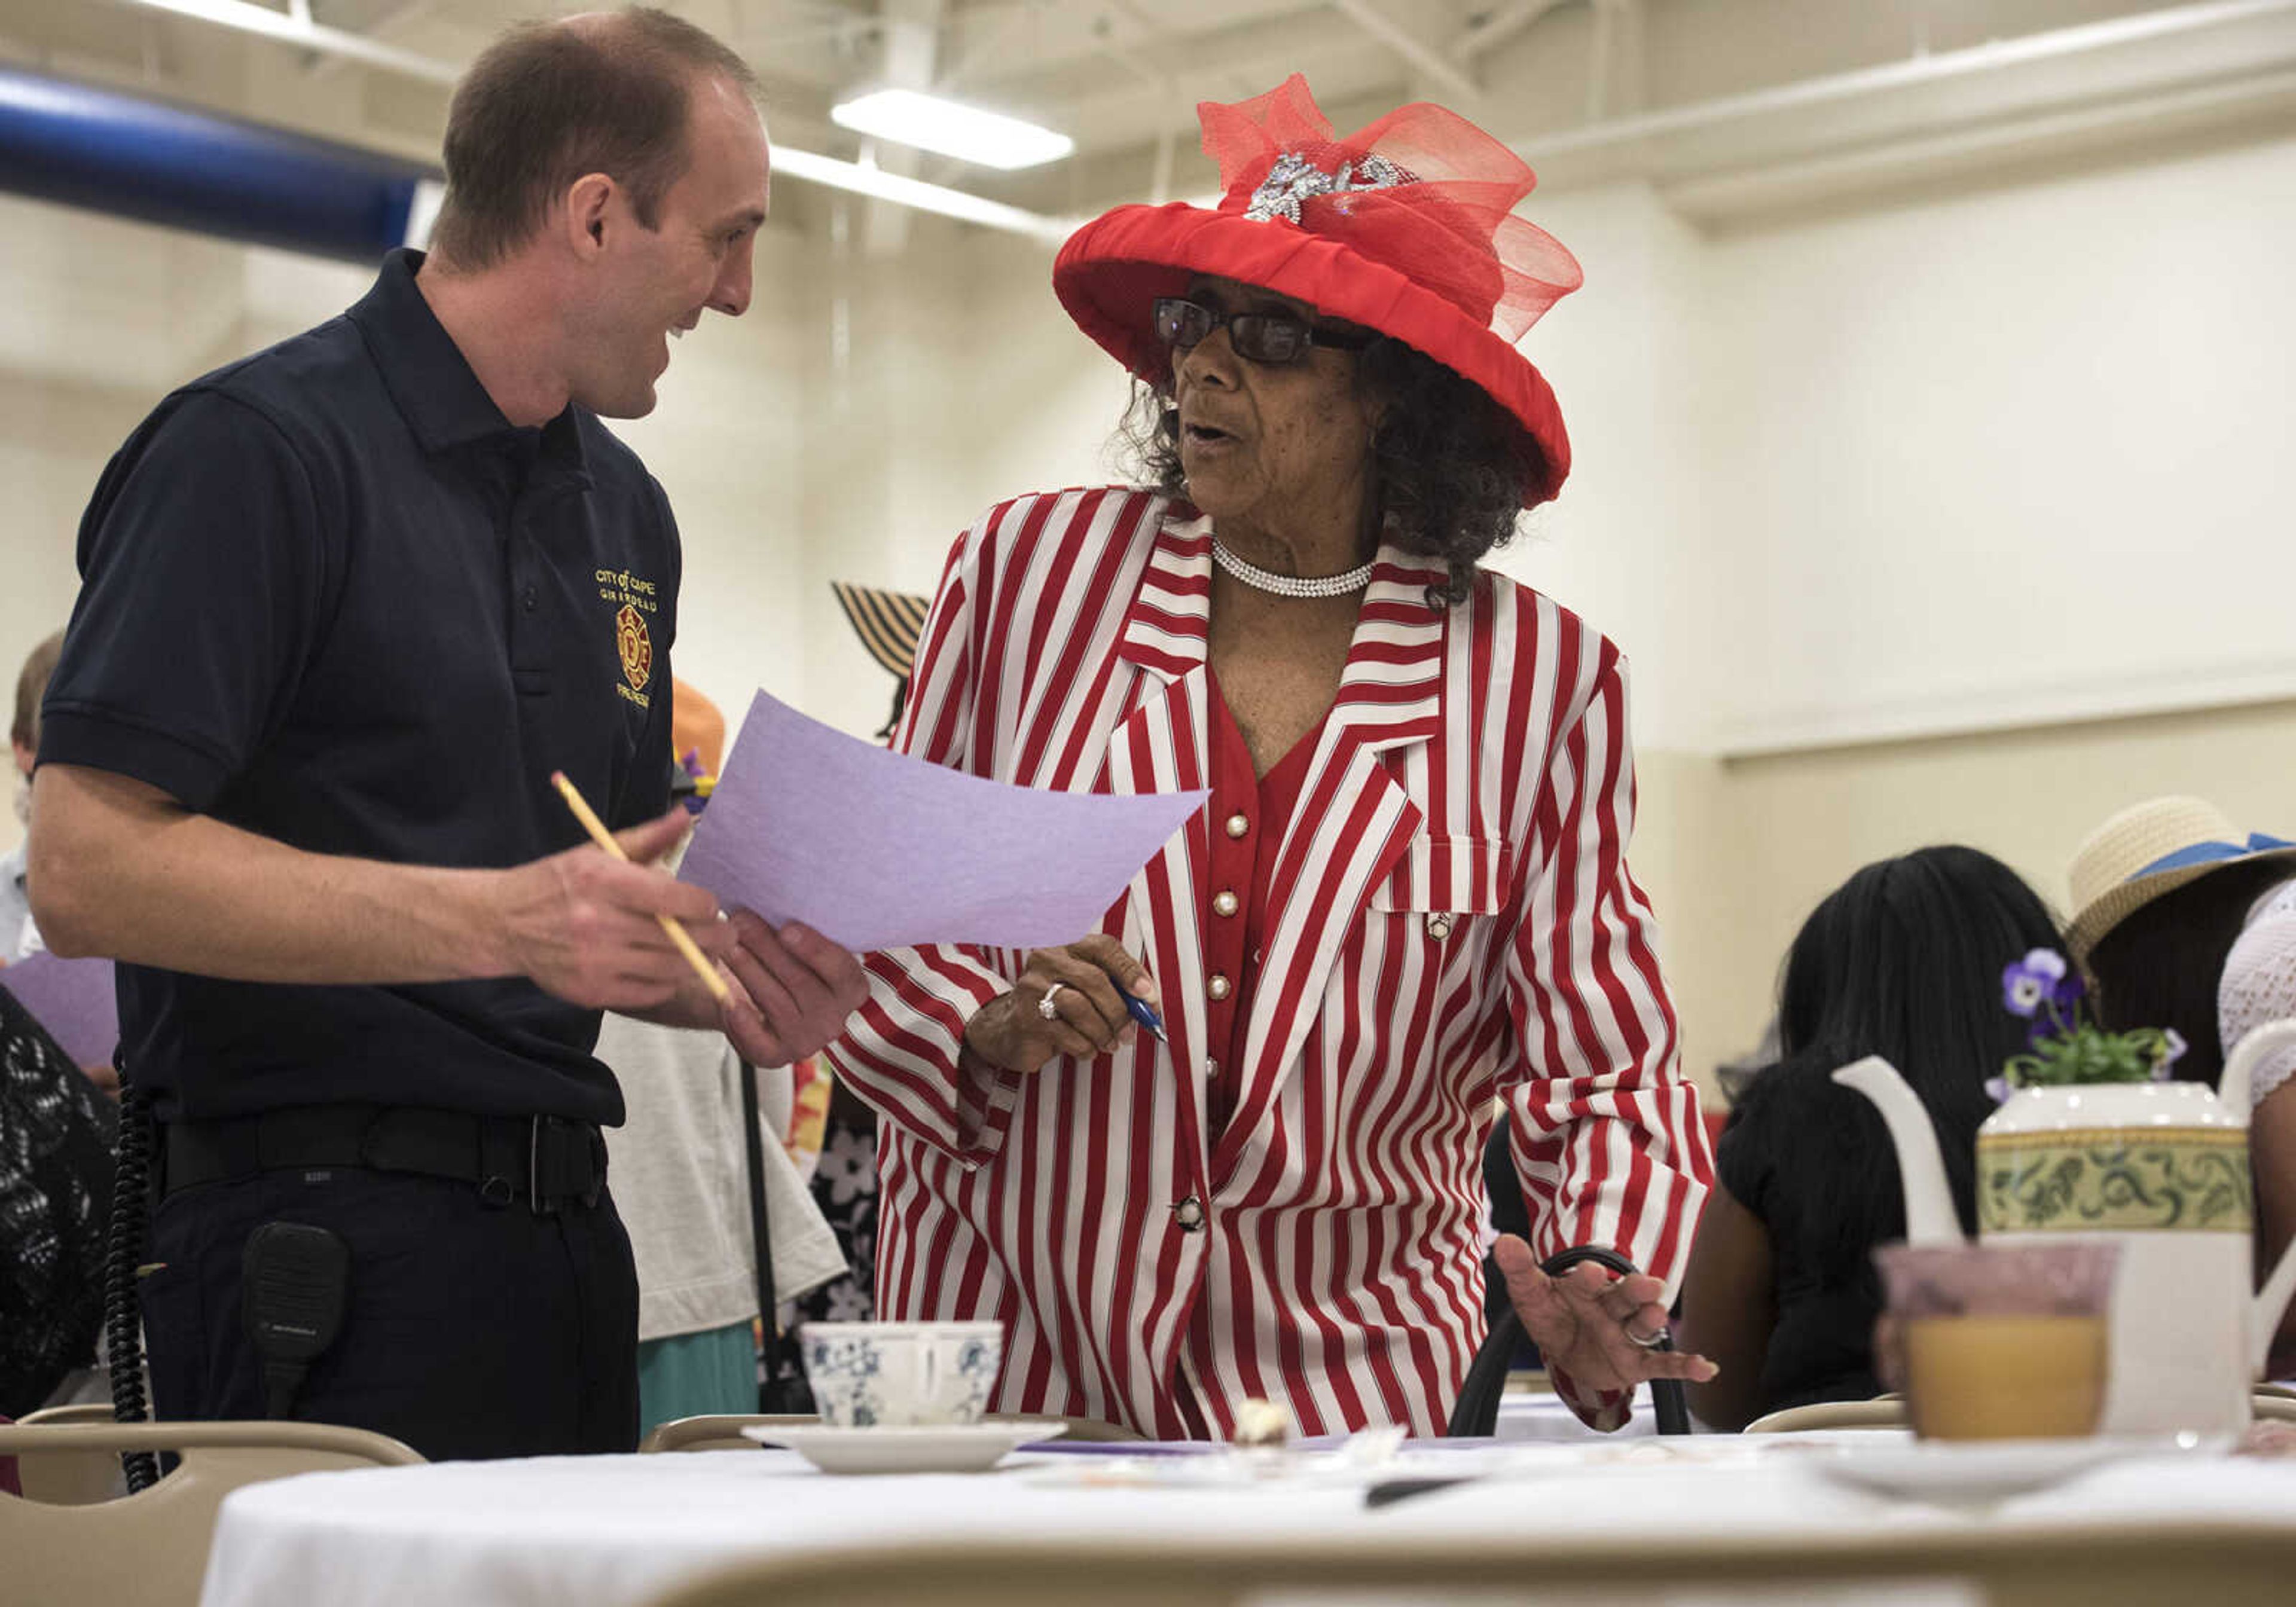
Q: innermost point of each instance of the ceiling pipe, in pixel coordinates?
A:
(1989, 57)
(137, 158)
(809, 166)
(296, 28)
(1367, 16)
(1498, 27)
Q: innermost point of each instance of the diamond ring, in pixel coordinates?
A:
(1047, 1006)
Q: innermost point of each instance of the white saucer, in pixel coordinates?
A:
(1978, 1472)
(966, 1447)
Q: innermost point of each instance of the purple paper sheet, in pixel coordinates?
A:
(875, 849)
(73, 999)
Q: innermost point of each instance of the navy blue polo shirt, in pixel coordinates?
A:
(332, 596)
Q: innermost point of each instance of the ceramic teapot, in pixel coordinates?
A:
(2159, 1169)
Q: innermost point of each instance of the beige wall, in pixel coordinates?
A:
(98, 318)
(938, 383)
(1990, 457)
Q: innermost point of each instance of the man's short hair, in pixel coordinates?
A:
(549, 101)
(31, 686)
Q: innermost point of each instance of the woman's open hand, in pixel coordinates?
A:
(1086, 983)
(1592, 1325)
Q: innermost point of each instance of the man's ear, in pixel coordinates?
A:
(590, 209)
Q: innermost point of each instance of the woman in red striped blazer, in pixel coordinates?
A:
(1407, 900)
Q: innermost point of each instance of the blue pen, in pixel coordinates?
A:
(1139, 1011)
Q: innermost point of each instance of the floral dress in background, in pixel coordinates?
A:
(844, 1185)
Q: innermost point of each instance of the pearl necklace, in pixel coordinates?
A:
(1289, 586)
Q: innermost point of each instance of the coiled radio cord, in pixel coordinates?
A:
(129, 1231)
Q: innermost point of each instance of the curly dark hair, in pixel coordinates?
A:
(1452, 466)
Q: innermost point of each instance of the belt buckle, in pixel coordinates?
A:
(534, 1168)
(597, 1170)
(555, 1129)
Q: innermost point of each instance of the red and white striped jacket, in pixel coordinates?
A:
(1324, 1247)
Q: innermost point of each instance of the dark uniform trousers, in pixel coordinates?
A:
(474, 1327)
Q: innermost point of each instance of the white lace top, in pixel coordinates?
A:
(2259, 984)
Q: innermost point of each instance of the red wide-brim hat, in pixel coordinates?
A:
(1407, 227)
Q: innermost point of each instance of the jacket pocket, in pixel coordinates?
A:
(1446, 879)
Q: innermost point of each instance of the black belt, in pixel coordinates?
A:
(547, 1160)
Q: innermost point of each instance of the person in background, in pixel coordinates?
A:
(56, 1136)
(844, 1171)
(1407, 897)
(887, 624)
(19, 934)
(681, 1170)
(347, 606)
(2188, 924)
(1904, 961)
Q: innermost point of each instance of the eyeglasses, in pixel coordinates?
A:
(1267, 338)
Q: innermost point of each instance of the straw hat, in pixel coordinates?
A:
(2148, 849)
(887, 622)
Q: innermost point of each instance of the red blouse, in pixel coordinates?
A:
(1248, 814)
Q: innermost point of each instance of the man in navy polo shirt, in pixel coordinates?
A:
(347, 605)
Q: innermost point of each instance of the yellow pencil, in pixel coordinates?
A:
(604, 838)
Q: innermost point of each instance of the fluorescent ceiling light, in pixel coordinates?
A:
(929, 123)
(915, 192)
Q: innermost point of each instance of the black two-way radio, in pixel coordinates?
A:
(294, 1283)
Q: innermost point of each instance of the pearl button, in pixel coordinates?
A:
(1189, 1213)
(1212, 1070)
(1438, 925)
(1217, 987)
(1237, 825)
(1225, 902)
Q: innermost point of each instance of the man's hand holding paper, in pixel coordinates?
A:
(796, 988)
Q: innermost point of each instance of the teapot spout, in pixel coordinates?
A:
(1929, 1217)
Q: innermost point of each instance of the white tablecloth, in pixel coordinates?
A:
(1531, 1416)
(611, 1531)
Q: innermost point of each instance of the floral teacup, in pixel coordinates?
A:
(885, 1374)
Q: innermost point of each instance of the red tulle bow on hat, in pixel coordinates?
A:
(1422, 190)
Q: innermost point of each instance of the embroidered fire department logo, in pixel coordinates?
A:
(636, 646)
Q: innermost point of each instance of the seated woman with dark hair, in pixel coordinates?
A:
(1903, 960)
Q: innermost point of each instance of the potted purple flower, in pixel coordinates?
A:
(2064, 1046)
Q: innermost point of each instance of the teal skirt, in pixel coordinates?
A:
(696, 1375)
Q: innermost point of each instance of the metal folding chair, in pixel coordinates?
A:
(1476, 1413)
